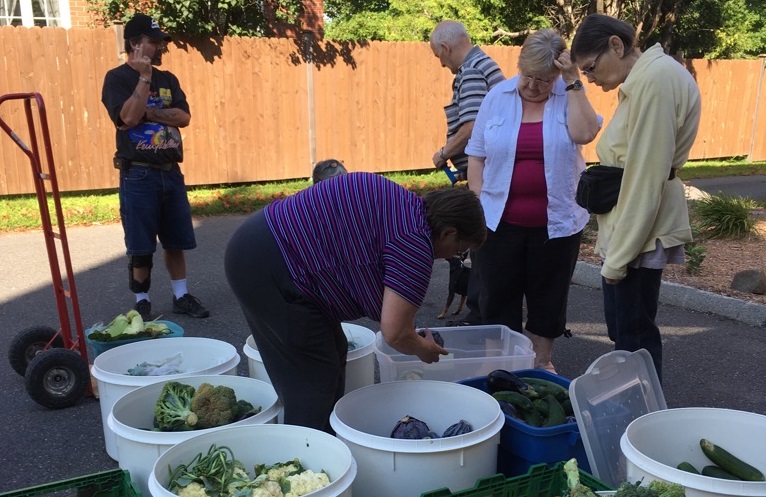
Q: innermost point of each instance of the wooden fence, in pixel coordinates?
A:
(261, 112)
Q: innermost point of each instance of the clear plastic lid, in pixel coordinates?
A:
(617, 388)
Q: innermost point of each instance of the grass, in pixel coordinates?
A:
(736, 166)
(21, 212)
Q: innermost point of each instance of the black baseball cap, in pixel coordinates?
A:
(142, 24)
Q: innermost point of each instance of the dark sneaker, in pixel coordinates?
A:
(144, 307)
(189, 304)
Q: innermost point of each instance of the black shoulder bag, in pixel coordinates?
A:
(599, 188)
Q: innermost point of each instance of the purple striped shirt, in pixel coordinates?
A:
(346, 238)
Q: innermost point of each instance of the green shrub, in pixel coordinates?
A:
(725, 216)
(695, 252)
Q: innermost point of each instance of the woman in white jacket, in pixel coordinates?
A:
(524, 163)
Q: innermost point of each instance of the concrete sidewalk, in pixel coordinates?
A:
(687, 297)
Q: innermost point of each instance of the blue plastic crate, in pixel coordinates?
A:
(99, 347)
(523, 446)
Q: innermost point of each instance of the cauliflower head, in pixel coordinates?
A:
(267, 489)
(306, 482)
(279, 470)
(193, 489)
(214, 406)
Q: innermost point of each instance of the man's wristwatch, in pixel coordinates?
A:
(576, 85)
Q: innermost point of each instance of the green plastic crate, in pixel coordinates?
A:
(112, 483)
(540, 481)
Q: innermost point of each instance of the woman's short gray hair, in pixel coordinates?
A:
(539, 51)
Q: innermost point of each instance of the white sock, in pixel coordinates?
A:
(179, 288)
(142, 296)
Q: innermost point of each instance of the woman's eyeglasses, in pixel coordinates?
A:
(589, 70)
(540, 83)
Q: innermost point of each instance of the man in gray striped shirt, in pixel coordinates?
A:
(475, 74)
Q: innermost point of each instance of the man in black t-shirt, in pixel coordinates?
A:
(148, 107)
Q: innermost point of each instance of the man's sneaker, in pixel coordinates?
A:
(144, 307)
(189, 304)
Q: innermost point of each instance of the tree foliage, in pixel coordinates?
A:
(213, 18)
(722, 29)
(699, 28)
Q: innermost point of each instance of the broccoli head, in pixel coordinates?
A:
(214, 406)
(628, 489)
(173, 411)
(665, 489)
(245, 409)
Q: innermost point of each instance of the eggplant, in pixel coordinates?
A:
(437, 337)
(508, 409)
(501, 380)
(410, 428)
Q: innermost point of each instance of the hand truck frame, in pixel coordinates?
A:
(54, 363)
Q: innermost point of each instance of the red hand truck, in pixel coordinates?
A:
(54, 363)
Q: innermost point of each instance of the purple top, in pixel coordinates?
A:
(346, 238)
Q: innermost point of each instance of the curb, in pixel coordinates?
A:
(686, 297)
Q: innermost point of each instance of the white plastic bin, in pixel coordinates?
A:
(132, 418)
(655, 443)
(360, 363)
(388, 467)
(266, 444)
(200, 356)
(473, 351)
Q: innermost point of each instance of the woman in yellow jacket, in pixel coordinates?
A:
(649, 136)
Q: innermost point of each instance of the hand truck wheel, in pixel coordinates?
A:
(30, 342)
(57, 378)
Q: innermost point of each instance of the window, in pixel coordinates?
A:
(35, 13)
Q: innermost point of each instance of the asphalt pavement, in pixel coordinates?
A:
(741, 186)
(714, 346)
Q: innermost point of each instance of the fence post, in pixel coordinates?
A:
(758, 94)
(308, 56)
(119, 40)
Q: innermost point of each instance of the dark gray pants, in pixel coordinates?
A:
(630, 310)
(303, 351)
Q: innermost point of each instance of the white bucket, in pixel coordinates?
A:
(266, 444)
(388, 467)
(200, 356)
(132, 418)
(360, 363)
(655, 443)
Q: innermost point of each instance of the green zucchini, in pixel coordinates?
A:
(716, 472)
(556, 415)
(567, 405)
(516, 399)
(542, 407)
(688, 467)
(534, 418)
(730, 463)
(546, 387)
